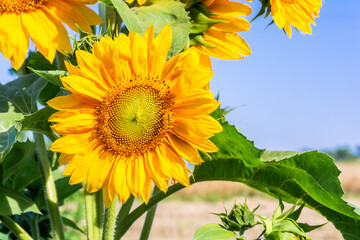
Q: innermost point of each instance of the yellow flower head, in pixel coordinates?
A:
(222, 39)
(42, 21)
(133, 116)
(299, 13)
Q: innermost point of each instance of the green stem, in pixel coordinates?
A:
(124, 212)
(122, 225)
(60, 61)
(94, 207)
(35, 227)
(15, 228)
(49, 188)
(109, 223)
(145, 233)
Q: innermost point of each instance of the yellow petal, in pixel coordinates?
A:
(154, 169)
(118, 178)
(173, 164)
(66, 102)
(72, 143)
(186, 150)
(99, 173)
(158, 51)
(79, 123)
(138, 47)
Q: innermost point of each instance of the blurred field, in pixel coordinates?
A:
(178, 216)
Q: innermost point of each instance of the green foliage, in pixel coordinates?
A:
(12, 202)
(20, 166)
(127, 15)
(39, 122)
(159, 14)
(309, 176)
(9, 130)
(213, 231)
(52, 76)
(22, 93)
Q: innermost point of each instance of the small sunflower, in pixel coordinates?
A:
(299, 13)
(221, 39)
(133, 116)
(42, 21)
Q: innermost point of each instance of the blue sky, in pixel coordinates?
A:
(293, 93)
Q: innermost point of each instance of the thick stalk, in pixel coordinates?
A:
(124, 212)
(145, 233)
(94, 207)
(15, 228)
(49, 188)
(109, 223)
(122, 225)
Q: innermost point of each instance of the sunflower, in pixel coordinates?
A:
(299, 13)
(133, 116)
(221, 39)
(42, 21)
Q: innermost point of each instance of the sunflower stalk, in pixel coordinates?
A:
(109, 222)
(15, 228)
(49, 188)
(94, 208)
(145, 233)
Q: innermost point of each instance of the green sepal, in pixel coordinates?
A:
(200, 21)
(197, 40)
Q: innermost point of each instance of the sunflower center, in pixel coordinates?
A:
(134, 119)
(19, 6)
(288, 1)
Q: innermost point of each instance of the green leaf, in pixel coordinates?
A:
(310, 176)
(19, 176)
(162, 13)
(128, 16)
(213, 231)
(22, 93)
(50, 91)
(38, 61)
(70, 223)
(277, 155)
(52, 76)
(21, 153)
(63, 189)
(12, 202)
(39, 122)
(9, 130)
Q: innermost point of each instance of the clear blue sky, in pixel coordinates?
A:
(293, 93)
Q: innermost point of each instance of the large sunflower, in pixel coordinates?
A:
(221, 39)
(133, 116)
(42, 21)
(299, 13)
